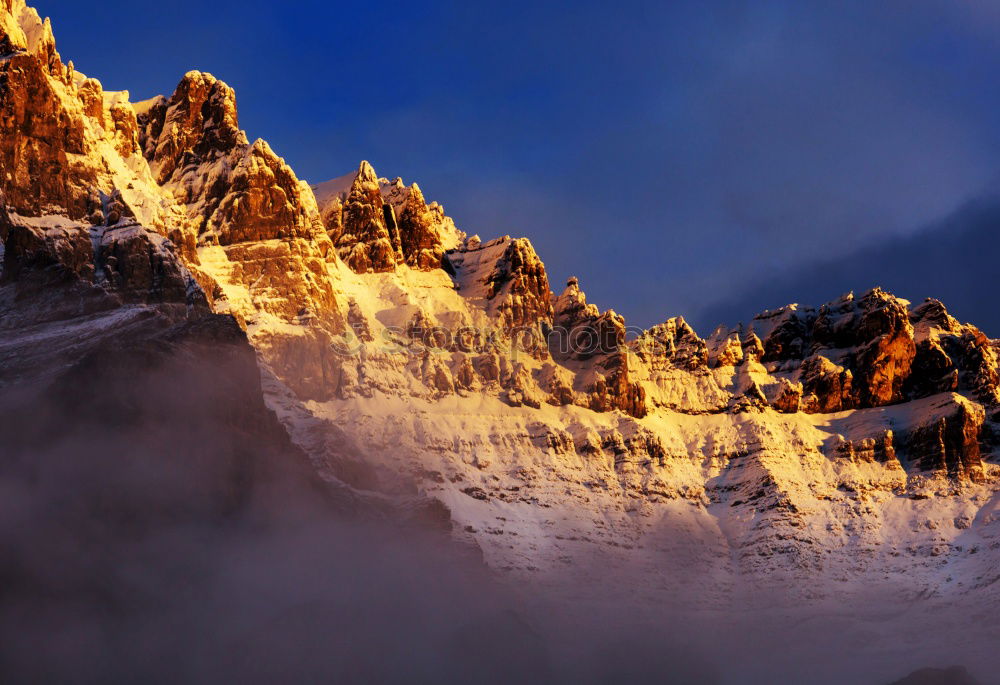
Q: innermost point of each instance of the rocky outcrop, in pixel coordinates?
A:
(724, 348)
(884, 347)
(826, 386)
(508, 279)
(876, 351)
(952, 356)
(143, 267)
(869, 338)
(196, 125)
(66, 145)
(72, 183)
(581, 330)
(880, 449)
(47, 150)
(248, 225)
(518, 287)
(933, 371)
(368, 238)
(948, 441)
(48, 254)
(42, 145)
(582, 333)
(409, 231)
(106, 265)
(786, 397)
(233, 191)
(422, 231)
(850, 354)
(673, 343)
(785, 333)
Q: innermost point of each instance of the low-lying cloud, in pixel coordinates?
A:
(155, 528)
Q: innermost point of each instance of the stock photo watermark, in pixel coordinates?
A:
(579, 342)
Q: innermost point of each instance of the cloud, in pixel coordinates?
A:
(952, 260)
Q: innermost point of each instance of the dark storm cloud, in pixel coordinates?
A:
(953, 260)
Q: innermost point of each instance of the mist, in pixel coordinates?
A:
(156, 524)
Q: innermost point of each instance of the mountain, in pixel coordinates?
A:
(349, 337)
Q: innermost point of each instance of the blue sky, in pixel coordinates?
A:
(676, 156)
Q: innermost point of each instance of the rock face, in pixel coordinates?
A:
(107, 266)
(234, 191)
(143, 267)
(422, 231)
(673, 344)
(251, 230)
(196, 125)
(852, 352)
(378, 224)
(509, 279)
(950, 442)
(41, 122)
(56, 128)
(518, 288)
(871, 351)
(583, 334)
(952, 356)
(366, 242)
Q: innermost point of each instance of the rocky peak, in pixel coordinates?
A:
(581, 330)
(869, 339)
(951, 356)
(22, 30)
(505, 277)
(369, 237)
(855, 322)
(365, 177)
(733, 347)
(422, 231)
(784, 332)
(673, 342)
(418, 233)
(582, 333)
(571, 306)
(872, 351)
(54, 122)
(724, 348)
(885, 348)
(519, 286)
(196, 125)
(252, 229)
(233, 191)
(933, 314)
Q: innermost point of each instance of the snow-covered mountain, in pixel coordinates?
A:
(815, 451)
